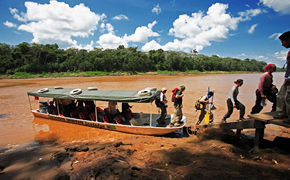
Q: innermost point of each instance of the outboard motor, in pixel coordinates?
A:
(43, 106)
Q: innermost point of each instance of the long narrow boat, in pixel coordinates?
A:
(141, 123)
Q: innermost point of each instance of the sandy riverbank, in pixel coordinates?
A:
(212, 154)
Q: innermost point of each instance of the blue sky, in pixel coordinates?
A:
(227, 28)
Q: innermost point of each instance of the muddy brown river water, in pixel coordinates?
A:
(18, 126)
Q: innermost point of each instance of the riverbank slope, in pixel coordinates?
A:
(212, 154)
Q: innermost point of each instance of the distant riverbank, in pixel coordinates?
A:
(24, 75)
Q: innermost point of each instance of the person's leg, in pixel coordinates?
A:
(230, 109)
(242, 108)
(257, 108)
(281, 107)
(211, 118)
(272, 98)
(173, 119)
(179, 114)
(201, 116)
(283, 101)
(161, 120)
(287, 100)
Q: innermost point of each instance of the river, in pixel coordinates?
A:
(18, 126)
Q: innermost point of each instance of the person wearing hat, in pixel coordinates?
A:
(177, 99)
(162, 105)
(205, 101)
(283, 106)
(266, 90)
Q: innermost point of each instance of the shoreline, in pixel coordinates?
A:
(101, 74)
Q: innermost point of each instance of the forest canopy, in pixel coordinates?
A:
(37, 58)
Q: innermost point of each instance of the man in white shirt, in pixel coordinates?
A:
(162, 106)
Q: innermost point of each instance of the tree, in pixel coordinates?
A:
(38, 58)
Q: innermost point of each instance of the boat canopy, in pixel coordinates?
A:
(137, 96)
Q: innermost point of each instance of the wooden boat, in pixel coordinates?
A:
(141, 123)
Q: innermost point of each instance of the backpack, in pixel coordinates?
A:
(158, 103)
(174, 91)
(198, 105)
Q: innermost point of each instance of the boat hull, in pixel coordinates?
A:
(142, 130)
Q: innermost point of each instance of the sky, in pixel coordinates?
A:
(227, 28)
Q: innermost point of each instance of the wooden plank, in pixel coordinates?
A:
(280, 122)
(246, 124)
(263, 116)
(259, 136)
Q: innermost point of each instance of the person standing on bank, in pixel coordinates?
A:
(162, 106)
(233, 102)
(266, 90)
(177, 99)
(283, 106)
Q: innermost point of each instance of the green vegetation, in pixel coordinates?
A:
(35, 60)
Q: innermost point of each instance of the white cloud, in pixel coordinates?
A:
(143, 33)
(281, 55)
(282, 6)
(151, 45)
(87, 46)
(111, 41)
(200, 29)
(14, 12)
(156, 9)
(248, 14)
(278, 58)
(106, 27)
(261, 58)
(57, 22)
(252, 29)
(9, 24)
(120, 17)
(242, 55)
(110, 28)
(275, 36)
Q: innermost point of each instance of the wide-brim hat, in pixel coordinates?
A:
(182, 87)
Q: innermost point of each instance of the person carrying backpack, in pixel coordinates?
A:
(204, 101)
(177, 99)
(161, 102)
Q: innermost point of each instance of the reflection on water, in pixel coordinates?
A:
(49, 130)
(17, 124)
(3, 115)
